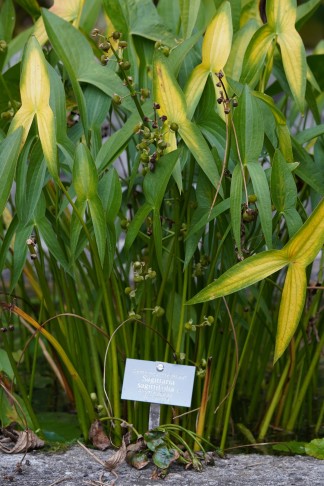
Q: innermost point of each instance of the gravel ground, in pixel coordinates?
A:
(76, 468)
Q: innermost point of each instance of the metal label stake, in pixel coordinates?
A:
(158, 383)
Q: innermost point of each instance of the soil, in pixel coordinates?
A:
(76, 467)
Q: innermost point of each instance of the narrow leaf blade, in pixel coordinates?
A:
(242, 275)
(291, 306)
(9, 150)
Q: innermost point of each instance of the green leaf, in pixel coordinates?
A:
(163, 456)
(263, 202)
(243, 274)
(236, 204)
(98, 104)
(76, 226)
(188, 12)
(197, 145)
(75, 52)
(110, 192)
(144, 21)
(138, 18)
(309, 133)
(157, 235)
(20, 252)
(9, 150)
(309, 170)
(249, 127)
(7, 22)
(293, 220)
(34, 181)
(5, 366)
(155, 183)
(85, 177)
(293, 447)
(99, 225)
(315, 448)
(52, 242)
(154, 439)
(5, 246)
(283, 187)
(31, 6)
(305, 11)
(115, 144)
(136, 223)
(205, 215)
(58, 105)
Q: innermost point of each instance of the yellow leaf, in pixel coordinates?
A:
(215, 51)
(294, 62)
(291, 306)
(23, 118)
(218, 39)
(234, 64)
(168, 93)
(304, 246)
(35, 96)
(46, 130)
(195, 87)
(242, 275)
(255, 54)
(69, 10)
(281, 14)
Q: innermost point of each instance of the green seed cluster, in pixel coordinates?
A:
(151, 145)
(9, 113)
(163, 48)
(141, 273)
(201, 266)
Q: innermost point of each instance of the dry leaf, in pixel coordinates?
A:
(15, 442)
(98, 436)
(116, 459)
(138, 446)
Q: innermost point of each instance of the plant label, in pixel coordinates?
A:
(158, 382)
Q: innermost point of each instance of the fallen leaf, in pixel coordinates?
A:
(98, 436)
(116, 459)
(137, 446)
(15, 441)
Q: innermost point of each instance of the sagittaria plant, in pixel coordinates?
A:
(155, 155)
(297, 254)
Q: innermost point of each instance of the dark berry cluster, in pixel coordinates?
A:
(223, 96)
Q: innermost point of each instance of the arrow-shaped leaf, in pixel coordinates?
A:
(172, 102)
(242, 275)
(35, 96)
(299, 252)
(69, 10)
(215, 51)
